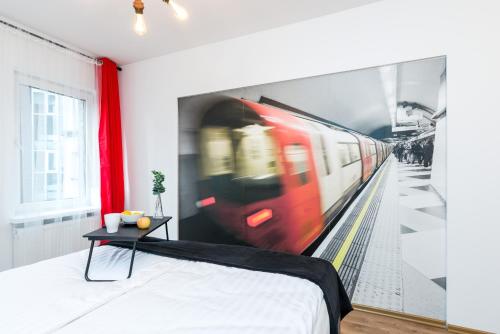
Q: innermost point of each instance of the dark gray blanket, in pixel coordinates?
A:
(318, 271)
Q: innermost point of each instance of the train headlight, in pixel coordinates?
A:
(205, 202)
(259, 217)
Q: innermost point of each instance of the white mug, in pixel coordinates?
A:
(112, 221)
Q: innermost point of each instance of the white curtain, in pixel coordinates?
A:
(48, 149)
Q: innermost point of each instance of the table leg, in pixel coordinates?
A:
(132, 261)
(88, 279)
(166, 230)
(88, 261)
(88, 266)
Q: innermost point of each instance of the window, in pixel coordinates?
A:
(248, 152)
(372, 150)
(354, 152)
(53, 146)
(344, 155)
(217, 150)
(242, 162)
(349, 153)
(296, 155)
(325, 155)
(255, 153)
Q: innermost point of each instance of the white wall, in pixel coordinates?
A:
(439, 170)
(382, 33)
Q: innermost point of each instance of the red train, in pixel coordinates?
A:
(275, 180)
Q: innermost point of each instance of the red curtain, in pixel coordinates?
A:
(110, 140)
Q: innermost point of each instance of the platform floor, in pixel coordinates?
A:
(389, 246)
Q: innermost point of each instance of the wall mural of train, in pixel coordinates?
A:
(274, 179)
(305, 166)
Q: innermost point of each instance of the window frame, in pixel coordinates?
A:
(85, 200)
(301, 176)
(348, 146)
(324, 153)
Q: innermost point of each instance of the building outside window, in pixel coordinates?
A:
(53, 147)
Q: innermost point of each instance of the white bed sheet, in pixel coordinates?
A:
(164, 295)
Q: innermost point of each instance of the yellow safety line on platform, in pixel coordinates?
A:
(339, 259)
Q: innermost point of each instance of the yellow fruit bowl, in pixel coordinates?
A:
(131, 217)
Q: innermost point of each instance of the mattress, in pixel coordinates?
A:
(164, 295)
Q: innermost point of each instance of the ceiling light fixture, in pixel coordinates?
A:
(140, 25)
(180, 11)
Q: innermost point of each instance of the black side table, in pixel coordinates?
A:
(129, 233)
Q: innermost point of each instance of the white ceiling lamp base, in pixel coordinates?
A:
(140, 24)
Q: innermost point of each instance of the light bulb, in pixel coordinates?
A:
(140, 25)
(180, 11)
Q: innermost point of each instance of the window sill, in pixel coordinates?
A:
(53, 214)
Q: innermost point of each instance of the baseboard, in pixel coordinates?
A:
(401, 315)
(464, 330)
(418, 319)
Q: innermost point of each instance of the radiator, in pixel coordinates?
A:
(37, 240)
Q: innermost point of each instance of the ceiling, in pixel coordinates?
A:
(104, 27)
(356, 99)
(419, 81)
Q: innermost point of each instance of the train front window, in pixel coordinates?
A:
(255, 153)
(241, 163)
(216, 143)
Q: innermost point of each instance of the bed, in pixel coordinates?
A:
(166, 294)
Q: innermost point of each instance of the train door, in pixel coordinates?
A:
(372, 151)
(323, 143)
(350, 159)
(304, 215)
(366, 157)
(299, 221)
(378, 152)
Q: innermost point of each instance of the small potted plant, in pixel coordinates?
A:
(158, 189)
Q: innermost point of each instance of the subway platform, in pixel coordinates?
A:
(389, 246)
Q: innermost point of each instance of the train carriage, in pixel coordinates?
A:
(324, 143)
(366, 146)
(349, 157)
(275, 180)
(338, 162)
(259, 171)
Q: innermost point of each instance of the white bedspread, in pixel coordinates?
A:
(163, 295)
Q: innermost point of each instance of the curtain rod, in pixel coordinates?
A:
(32, 34)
